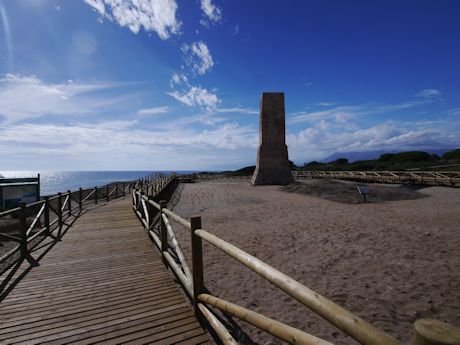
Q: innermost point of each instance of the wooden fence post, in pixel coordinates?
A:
(47, 215)
(59, 215)
(80, 198)
(141, 207)
(23, 229)
(433, 332)
(116, 191)
(107, 193)
(69, 204)
(197, 264)
(95, 195)
(163, 232)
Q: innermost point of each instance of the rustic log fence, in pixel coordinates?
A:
(433, 178)
(192, 279)
(29, 224)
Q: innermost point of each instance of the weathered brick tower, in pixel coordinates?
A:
(272, 156)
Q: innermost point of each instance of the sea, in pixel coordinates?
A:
(52, 182)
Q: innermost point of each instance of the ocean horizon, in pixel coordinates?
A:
(52, 182)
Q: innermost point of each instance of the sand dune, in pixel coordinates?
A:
(389, 262)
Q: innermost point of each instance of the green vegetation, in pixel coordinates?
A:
(244, 171)
(416, 160)
(411, 160)
(451, 155)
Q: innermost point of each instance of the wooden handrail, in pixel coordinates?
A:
(220, 329)
(357, 328)
(278, 329)
(352, 325)
(37, 217)
(63, 211)
(8, 212)
(177, 248)
(445, 178)
(89, 195)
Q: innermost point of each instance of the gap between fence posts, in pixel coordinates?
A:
(197, 265)
(163, 233)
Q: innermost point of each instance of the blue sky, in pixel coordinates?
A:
(175, 84)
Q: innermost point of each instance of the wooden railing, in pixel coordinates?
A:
(152, 184)
(28, 225)
(192, 280)
(437, 178)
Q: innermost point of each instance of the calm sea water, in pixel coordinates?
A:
(53, 182)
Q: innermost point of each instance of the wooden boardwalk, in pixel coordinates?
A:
(103, 283)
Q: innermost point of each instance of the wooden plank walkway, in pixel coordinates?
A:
(103, 283)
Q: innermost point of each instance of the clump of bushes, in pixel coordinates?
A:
(454, 154)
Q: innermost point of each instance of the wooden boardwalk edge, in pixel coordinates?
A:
(104, 282)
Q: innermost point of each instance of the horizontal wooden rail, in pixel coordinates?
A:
(183, 279)
(89, 195)
(444, 178)
(9, 212)
(186, 224)
(220, 329)
(276, 328)
(193, 282)
(36, 219)
(357, 328)
(62, 206)
(177, 248)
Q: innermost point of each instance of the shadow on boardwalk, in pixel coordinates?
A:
(102, 283)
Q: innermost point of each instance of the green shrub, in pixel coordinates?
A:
(386, 157)
(245, 171)
(341, 161)
(411, 156)
(454, 154)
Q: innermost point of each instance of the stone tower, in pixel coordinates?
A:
(272, 156)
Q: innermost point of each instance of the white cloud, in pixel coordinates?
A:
(429, 93)
(345, 113)
(212, 12)
(333, 137)
(239, 110)
(153, 111)
(178, 79)
(211, 117)
(113, 143)
(236, 30)
(152, 15)
(24, 97)
(455, 111)
(325, 104)
(196, 96)
(84, 42)
(198, 56)
(98, 5)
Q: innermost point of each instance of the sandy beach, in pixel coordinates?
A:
(389, 262)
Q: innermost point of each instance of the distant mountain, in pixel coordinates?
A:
(354, 156)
